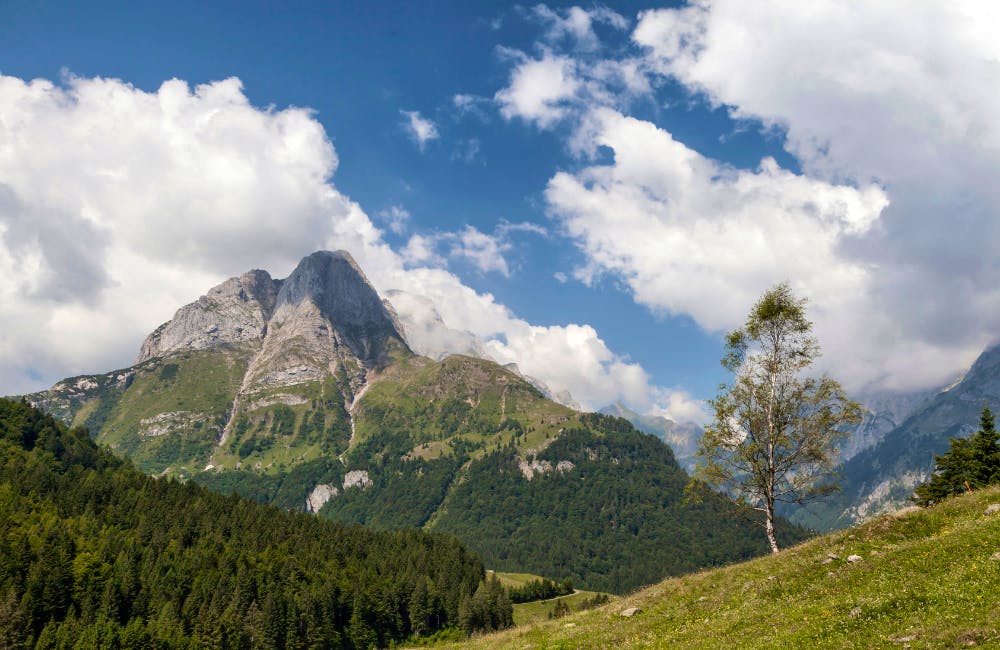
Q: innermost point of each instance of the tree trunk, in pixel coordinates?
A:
(769, 527)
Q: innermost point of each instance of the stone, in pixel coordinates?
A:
(992, 509)
(903, 638)
(853, 558)
(832, 556)
(995, 556)
(630, 612)
(233, 312)
(357, 478)
(319, 496)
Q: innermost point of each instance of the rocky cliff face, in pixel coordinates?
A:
(327, 319)
(235, 311)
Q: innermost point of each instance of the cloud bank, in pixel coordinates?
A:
(118, 205)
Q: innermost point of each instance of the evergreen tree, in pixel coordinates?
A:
(968, 464)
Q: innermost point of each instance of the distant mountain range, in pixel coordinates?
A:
(304, 393)
(880, 477)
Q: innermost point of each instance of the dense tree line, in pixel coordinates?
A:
(970, 463)
(614, 522)
(95, 554)
(540, 589)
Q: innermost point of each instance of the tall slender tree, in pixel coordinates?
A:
(774, 435)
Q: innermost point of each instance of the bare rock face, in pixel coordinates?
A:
(319, 496)
(327, 319)
(235, 311)
(323, 319)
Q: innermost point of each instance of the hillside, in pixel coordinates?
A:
(303, 394)
(95, 553)
(926, 579)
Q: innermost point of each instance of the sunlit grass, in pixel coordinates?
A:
(927, 579)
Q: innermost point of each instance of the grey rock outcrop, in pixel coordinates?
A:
(327, 319)
(235, 311)
(324, 318)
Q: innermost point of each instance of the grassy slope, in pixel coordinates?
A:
(534, 612)
(928, 579)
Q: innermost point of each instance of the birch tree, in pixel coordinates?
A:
(776, 427)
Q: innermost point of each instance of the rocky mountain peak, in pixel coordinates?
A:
(234, 311)
(336, 286)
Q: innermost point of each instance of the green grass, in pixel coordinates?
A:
(534, 612)
(928, 579)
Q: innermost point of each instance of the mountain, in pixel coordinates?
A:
(682, 438)
(883, 412)
(304, 394)
(921, 578)
(94, 554)
(880, 478)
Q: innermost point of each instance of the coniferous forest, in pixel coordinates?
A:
(94, 553)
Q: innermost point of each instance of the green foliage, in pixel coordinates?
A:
(615, 521)
(773, 439)
(559, 610)
(540, 589)
(95, 554)
(969, 463)
(595, 601)
(487, 610)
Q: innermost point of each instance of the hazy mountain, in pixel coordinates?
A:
(880, 477)
(682, 438)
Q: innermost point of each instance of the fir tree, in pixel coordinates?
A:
(968, 464)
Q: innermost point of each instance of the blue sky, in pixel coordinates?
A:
(540, 177)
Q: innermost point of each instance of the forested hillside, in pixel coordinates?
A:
(96, 553)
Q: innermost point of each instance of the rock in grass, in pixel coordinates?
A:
(992, 509)
(630, 612)
(853, 558)
(856, 612)
(901, 638)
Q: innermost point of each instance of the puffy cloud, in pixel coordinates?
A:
(691, 236)
(890, 228)
(486, 253)
(420, 129)
(540, 90)
(118, 205)
(861, 94)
